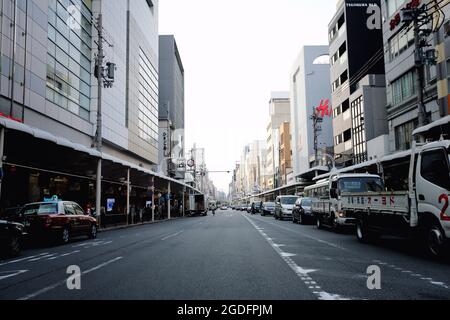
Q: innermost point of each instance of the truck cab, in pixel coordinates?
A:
(430, 187)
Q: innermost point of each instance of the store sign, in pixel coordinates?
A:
(324, 110)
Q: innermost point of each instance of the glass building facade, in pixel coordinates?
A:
(69, 55)
(148, 100)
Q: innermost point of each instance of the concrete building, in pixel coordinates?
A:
(402, 110)
(357, 81)
(310, 92)
(279, 112)
(171, 108)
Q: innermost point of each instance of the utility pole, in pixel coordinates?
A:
(317, 128)
(419, 66)
(98, 136)
(105, 78)
(418, 16)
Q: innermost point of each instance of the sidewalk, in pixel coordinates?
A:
(127, 226)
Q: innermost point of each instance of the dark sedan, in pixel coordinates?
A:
(302, 212)
(268, 208)
(11, 237)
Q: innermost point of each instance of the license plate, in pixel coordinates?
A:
(27, 224)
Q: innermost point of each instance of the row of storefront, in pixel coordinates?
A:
(38, 166)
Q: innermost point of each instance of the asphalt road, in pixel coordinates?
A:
(229, 256)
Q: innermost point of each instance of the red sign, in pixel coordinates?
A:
(397, 18)
(324, 109)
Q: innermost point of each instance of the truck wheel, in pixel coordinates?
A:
(435, 240)
(335, 225)
(319, 223)
(363, 234)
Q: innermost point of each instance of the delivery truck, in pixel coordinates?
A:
(421, 212)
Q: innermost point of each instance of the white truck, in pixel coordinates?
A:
(421, 212)
(327, 202)
(198, 204)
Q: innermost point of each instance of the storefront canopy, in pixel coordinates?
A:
(43, 135)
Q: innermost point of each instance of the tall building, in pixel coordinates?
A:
(171, 108)
(357, 81)
(310, 95)
(279, 112)
(48, 87)
(402, 107)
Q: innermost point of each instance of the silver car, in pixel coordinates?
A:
(284, 206)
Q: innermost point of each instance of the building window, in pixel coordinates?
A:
(403, 135)
(69, 52)
(359, 131)
(148, 100)
(403, 88)
(399, 43)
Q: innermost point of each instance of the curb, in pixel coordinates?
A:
(137, 225)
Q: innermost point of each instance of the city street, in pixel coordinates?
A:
(229, 256)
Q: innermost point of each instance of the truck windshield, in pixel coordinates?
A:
(356, 184)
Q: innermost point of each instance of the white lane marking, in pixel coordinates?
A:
(299, 271)
(23, 259)
(10, 274)
(40, 258)
(63, 282)
(64, 255)
(416, 275)
(307, 236)
(172, 235)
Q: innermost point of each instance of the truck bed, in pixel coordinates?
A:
(396, 203)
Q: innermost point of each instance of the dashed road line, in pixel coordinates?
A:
(299, 271)
(414, 275)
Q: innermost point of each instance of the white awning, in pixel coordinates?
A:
(441, 122)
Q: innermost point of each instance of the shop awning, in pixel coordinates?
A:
(44, 135)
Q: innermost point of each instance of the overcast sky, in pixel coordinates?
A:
(235, 52)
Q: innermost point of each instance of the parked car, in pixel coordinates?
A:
(302, 212)
(224, 207)
(268, 208)
(284, 206)
(11, 237)
(57, 219)
(248, 208)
